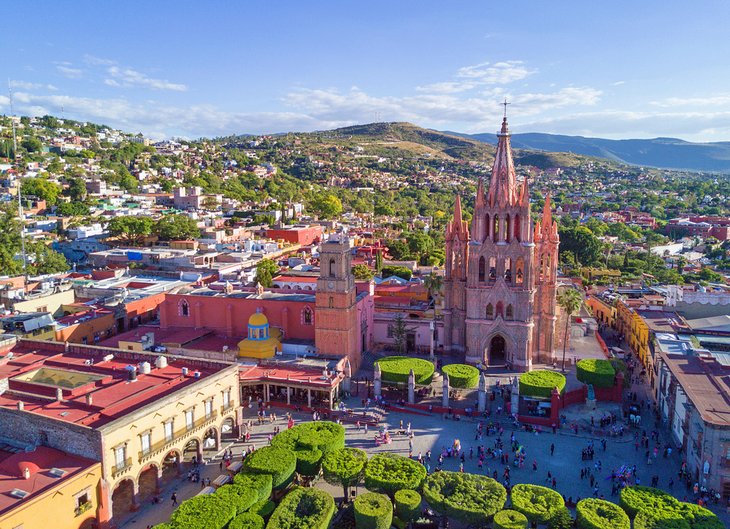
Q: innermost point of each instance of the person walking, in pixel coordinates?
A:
(552, 448)
(174, 499)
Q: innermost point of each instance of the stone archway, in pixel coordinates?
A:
(228, 429)
(171, 466)
(147, 482)
(211, 439)
(193, 449)
(123, 499)
(497, 351)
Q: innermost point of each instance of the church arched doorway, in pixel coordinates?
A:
(497, 351)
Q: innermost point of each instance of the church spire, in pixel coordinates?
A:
(503, 185)
(480, 194)
(547, 213)
(457, 211)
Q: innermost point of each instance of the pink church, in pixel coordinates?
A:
(500, 281)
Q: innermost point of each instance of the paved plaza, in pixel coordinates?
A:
(433, 432)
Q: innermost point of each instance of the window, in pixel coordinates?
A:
(44, 308)
(307, 316)
(486, 227)
(490, 312)
(390, 331)
(82, 501)
(508, 270)
(500, 309)
(492, 269)
(519, 276)
(332, 302)
(169, 430)
(495, 231)
(333, 268)
(510, 314)
(507, 234)
(518, 237)
(184, 309)
(145, 438)
(209, 408)
(482, 269)
(226, 398)
(190, 418)
(120, 456)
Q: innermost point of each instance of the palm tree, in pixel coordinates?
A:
(433, 283)
(570, 301)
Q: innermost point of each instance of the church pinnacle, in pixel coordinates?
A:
(503, 185)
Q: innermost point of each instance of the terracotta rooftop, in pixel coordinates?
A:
(40, 462)
(38, 369)
(279, 374)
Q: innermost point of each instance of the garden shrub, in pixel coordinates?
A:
(203, 512)
(469, 498)
(344, 467)
(562, 520)
(658, 520)
(539, 504)
(373, 511)
(397, 369)
(247, 520)
(509, 519)
(639, 498)
(540, 383)
(303, 509)
(309, 442)
(280, 463)
(263, 508)
(407, 504)
(389, 473)
(600, 373)
(462, 376)
(592, 513)
(698, 517)
(261, 483)
(242, 498)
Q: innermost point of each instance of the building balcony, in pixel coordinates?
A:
(120, 469)
(156, 448)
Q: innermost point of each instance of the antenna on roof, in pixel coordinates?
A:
(20, 198)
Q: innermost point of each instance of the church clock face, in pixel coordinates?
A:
(330, 285)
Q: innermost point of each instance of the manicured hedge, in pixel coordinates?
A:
(407, 505)
(397, 369)
(469, 498)
(540, 383)
(261, 483)
(242, 498)
(592, 513)
(373, 511)
(600, 373)
(344, 467)
(462, 376)
(280, 463)
(655, 520)
(310, 441)
(538, 503)
(247, 520)
(639, 498)
(389, 473)
(509, 519)
(263, 508)
(203, 512)
(303, 509)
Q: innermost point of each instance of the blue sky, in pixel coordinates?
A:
(620, 69)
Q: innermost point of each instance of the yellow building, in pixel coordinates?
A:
(47, 488)
(603, 310)
(141, 415)
(261, 340)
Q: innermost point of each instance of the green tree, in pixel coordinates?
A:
(77, 189)
(266, 269)
(344, 467)
(326, 205)
(400, 333)
(176, 227)
(32, 144)
(44, 260)
(399, 250)
(378, 262)
(570, 300)
(131, 230)
(400, 271)
(41, 188)
(582, 243)
(72, 209)
(9, 241)
(362, 272)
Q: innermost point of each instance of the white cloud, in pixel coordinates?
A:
(719, 100)
(618, 83)
(483, 74)
(97, 61)
(128, 77)
(26, 85)
(67, 71)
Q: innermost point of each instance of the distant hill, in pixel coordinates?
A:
(668, 153)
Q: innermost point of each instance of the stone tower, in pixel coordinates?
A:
(500, 275)
(336, 327)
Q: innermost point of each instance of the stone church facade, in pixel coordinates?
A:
(500, 281)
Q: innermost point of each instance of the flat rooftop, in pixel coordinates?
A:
(37, 370)
(48, 468)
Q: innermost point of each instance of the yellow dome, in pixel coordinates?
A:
(258, 319)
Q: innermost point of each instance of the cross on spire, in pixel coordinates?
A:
(505, 107)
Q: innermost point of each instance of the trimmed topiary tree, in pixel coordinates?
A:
(247, 520)
(540, 383)
(509, 519)
(344, 467)
(263, 508)
(242, 498)
(389, 473)
(592, 513)
(562, 520)
(539, 504)
(203, 512)
(657, 520)
(261, 483)
(600, 373)
(407, 505)
(279, 463)
(469, 498)
(303, 509)
(397, 369)
(310, 441)
(462, 376)
(373, 511)
(639, 498)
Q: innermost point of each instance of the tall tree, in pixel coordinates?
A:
(570, 301)
(344, 467)
(131, 230)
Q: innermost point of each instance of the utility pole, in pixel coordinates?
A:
(20, 198)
